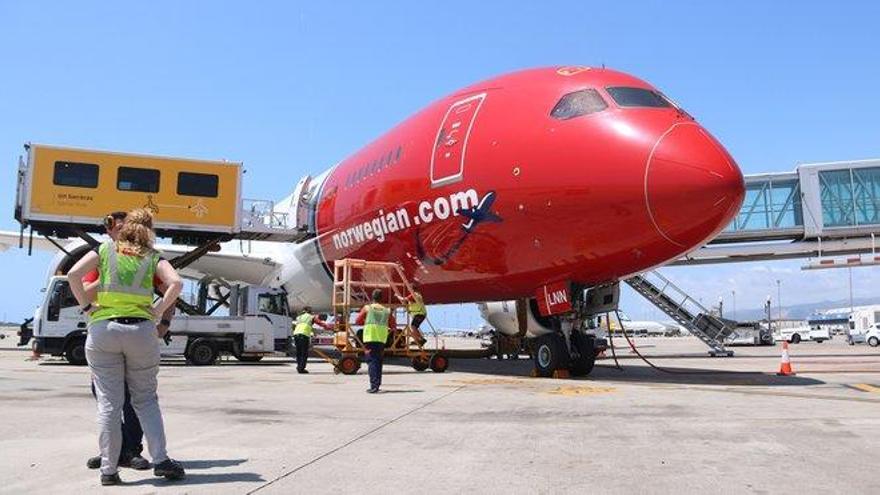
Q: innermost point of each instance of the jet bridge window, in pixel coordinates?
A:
(579, 103)
(638, 97)
(192, 184)
(137, 179)
(75, 174)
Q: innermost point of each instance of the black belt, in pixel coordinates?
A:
(128, 320)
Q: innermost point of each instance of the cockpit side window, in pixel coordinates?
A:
(579, 103)
(638, 97)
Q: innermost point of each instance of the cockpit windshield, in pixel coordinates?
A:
(579, 103)
(638, 97)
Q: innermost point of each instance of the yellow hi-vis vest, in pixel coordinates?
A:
(417, 306)
(376, 324)
(126, 284)
(304, 325)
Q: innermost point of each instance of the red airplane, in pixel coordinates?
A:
(571, 174)
(529, 186)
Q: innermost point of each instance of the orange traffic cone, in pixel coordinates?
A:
(785, 365)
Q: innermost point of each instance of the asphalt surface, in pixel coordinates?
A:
(717, 425)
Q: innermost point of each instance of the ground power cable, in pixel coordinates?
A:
(658, 368)
(353, 440)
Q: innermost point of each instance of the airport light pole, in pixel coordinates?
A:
(778, 300)
(733, 312)
(849, 268)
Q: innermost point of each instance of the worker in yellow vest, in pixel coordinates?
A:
(303, 329)
(376, 319)
(415, 305)
(122, 345)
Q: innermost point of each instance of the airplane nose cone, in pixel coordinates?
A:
(693, 188)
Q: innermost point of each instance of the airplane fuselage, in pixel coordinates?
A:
(544, 175)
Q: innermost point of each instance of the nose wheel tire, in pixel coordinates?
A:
(549, 354)
(439, 363)
(583, 364)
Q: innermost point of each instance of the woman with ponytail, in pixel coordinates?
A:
(122, 343)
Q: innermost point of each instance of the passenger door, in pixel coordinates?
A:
(450, 146)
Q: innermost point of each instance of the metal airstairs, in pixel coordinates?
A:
(684, 310)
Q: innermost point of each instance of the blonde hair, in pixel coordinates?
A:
(136, 235)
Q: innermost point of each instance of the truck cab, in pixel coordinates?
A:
(59, 324)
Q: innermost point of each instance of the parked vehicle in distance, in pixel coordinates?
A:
(799, 334)
(872, 336)
(862, 322)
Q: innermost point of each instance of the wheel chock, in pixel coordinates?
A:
(561, 374)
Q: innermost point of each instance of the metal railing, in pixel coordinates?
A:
(260, 214)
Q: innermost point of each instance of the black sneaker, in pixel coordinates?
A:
(303, 372)
(170, 469)
(94, 462)
(372, 390)
(110, 479)
(135, 462)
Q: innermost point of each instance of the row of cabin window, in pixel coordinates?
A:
(74, 174)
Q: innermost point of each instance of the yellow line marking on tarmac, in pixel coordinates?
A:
(574, 390)
(865, 387)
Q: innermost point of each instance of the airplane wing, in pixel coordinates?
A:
(230, 263)
(11, 239)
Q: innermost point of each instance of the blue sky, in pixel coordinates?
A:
(291, 88)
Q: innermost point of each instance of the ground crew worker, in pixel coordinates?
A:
(302, 336)
(416, 308)
(121, 344)
(132, 434)
(376, 319)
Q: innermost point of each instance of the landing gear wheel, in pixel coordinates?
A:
(549, 354)
(586, 348)
(201, 352)
(349, 365)
(439, 363)
(796, 339)
(873, 342)
(419, 363)
(76, 352)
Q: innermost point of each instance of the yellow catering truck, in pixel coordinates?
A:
(63, 191)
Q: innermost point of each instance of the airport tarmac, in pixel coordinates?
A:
(717, 425)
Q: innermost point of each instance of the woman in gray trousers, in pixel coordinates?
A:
(122, 344)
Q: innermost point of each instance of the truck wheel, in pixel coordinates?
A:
(439, 363)
(873, 342)
(201, 352)
(249, 359)
(795, 339)
(549, 354)
(586, 348)
(419, 363)
(349, 365)
(76, 352)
